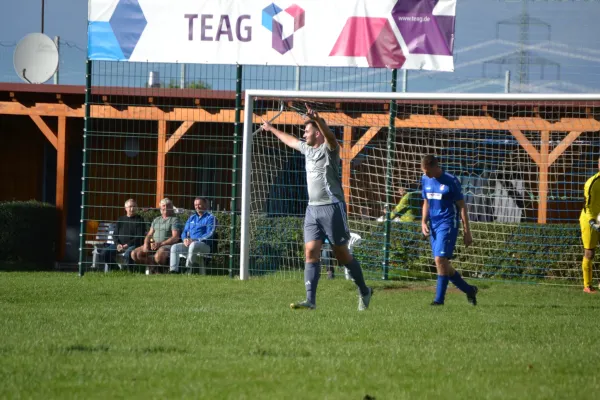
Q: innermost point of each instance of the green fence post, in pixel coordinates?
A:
(391, 139)
(86, 130)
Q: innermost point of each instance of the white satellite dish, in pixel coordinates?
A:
(36, 58)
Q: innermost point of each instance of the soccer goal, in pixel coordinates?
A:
(522, 161)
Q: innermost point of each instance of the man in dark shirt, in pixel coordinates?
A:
(128, 235)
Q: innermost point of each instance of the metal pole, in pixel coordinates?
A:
(246, 172)
(42, 16)
(391, 140)
(298, 77)
(507, 82)
(57, 43)
(236, 154)
(86, 129)
(182, 77)
(404, 80)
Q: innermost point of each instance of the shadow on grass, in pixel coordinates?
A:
(101, 348)
(82, 348)
(161, 350)
(261, 352)
(546, 306)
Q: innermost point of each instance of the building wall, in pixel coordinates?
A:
(21, 159)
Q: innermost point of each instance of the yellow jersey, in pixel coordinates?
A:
(591, 194)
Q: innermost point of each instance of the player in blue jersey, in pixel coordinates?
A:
(443, 206)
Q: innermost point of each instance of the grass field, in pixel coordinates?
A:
(134, 336)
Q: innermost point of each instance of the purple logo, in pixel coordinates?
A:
(283, 24)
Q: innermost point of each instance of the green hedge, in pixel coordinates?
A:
(501, 251)
(28, 233)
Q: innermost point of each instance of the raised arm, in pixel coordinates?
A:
(286, 138)
(329, 136)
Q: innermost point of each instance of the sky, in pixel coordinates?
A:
(567, 49)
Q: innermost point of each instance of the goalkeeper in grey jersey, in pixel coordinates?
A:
(326, 211)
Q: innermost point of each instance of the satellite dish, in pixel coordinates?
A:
(36, 58)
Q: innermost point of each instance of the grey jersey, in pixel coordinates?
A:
(322, 174)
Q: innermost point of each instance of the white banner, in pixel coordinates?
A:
(407, 34)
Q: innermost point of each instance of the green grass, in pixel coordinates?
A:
(134, 336)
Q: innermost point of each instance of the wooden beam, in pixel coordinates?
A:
(562, 146)
(51, 136)
(543, 185)
(526, 144)
(178, 134)
(61, 185)
(48, 110)
(346, 163)
(364, 140)
(160, 161)
(359, 120)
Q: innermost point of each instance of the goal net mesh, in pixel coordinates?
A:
(521, 164)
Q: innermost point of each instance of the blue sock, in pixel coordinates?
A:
(460, 283)
(440, 292)
(312, 272)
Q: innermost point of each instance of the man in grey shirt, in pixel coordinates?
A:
(326, 211)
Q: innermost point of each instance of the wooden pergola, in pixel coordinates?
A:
(44, 102)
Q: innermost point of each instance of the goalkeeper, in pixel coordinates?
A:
(590, 227)
(408, 208)
(326, 212)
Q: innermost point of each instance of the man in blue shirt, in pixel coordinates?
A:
(443, 206)
(198, 230)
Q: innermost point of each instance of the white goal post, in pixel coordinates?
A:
(251, 121)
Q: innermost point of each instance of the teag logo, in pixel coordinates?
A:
(283, 24)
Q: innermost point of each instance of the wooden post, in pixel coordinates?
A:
(346, 160)
(178, 134)
(61, 185)
(160, 161)
(543, 189)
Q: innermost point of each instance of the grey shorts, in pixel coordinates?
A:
(328, 221)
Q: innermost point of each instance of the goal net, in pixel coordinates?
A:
(522, 162)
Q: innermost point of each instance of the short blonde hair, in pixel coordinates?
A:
(166, 201)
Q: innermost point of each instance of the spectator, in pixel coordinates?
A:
(164, 232)
(128, 235)
(198, 231)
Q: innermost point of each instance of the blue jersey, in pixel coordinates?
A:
(198, 227)
(442, 194)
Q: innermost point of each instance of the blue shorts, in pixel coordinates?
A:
(443, 241)
(327, 221)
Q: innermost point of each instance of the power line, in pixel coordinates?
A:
(72, 45)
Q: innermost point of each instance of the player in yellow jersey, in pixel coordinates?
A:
(590, 227)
